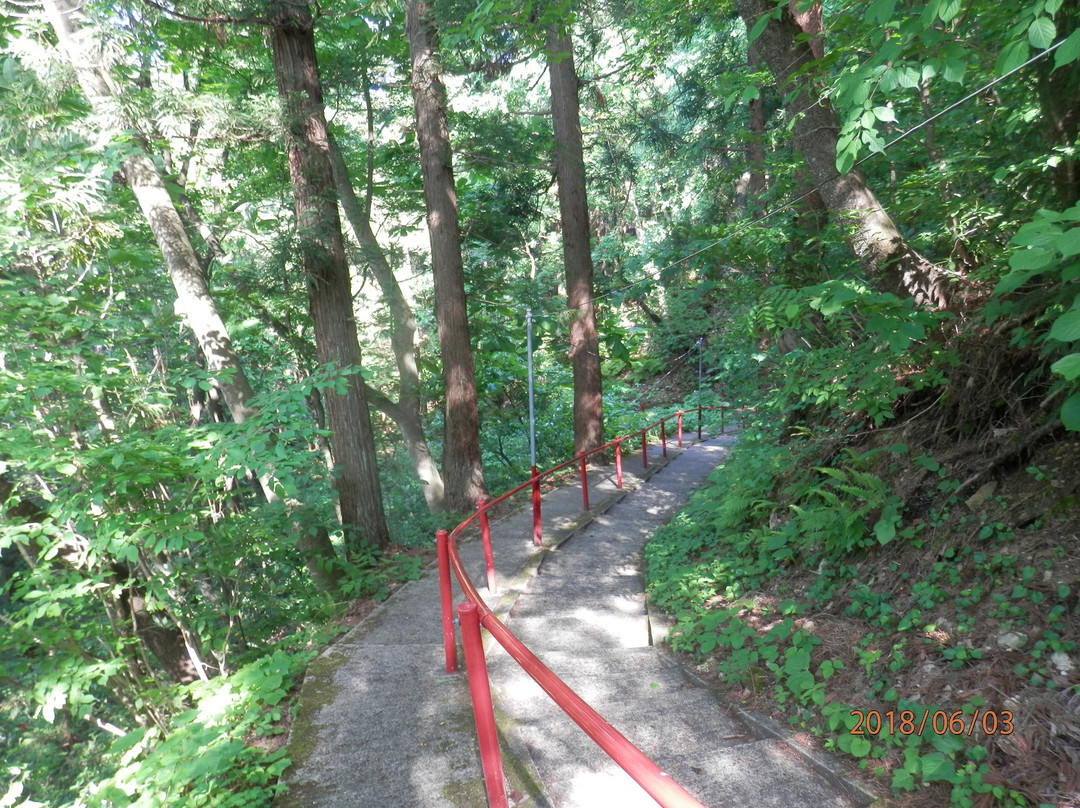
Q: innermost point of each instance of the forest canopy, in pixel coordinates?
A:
(240, 388)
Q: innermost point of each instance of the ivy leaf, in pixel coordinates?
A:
(1068, 51)
(1041, 33)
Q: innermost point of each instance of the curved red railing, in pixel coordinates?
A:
(474, 613)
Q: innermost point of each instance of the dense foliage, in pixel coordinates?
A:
(155, 602)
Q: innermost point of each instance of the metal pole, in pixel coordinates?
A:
(485, 536)
(479, 687)
(532, 410)
(584, 483)
(538, 538)
(442, 540)
(699, 388)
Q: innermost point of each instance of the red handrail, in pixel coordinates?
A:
(631, 759)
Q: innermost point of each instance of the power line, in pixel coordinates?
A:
(792, 202)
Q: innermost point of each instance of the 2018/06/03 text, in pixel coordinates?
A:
(939, 722)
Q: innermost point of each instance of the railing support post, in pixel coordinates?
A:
(442, 545)
(699, 421)
(644, 450)
(479, 688)
(485, 535)
(680, 428)
(618, 463)
(722, 408)
(538, 537)
(584, 483)
(663, 439)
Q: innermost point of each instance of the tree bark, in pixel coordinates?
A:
(464, 475)
(875, 240)
(193, 296)
(406, 412)
(322, 254)
(577, 250)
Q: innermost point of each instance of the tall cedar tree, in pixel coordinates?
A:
(405, 412)
(875, 240)
(462, 469)
(322, 255)
(577, 252)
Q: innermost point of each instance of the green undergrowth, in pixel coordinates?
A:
(215, 743)
(814, 579)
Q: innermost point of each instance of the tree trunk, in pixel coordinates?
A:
(464, 474)
(875, 240)
(406, 413)
(193, 296)
(577, 251)
(322, 254)
(185, 270)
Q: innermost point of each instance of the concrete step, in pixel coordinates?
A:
(583, 628)
(763, 774)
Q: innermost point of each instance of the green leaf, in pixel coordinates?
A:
(884, 114)
(860, 747)
(67, 469)
(908, 77)
(845, 160)
(881, 11)
(935, 766)
(1069, 242)
(954, 71)
(1068, 366)
(1041, 33)
(902, 780)
(1070, 413)
(885, 530)
(759, 26)
(948, 10)
(1068, 51)
(1066, 328)
(1032, 258)
(1012, 56)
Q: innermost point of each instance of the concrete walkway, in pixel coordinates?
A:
(380, 722)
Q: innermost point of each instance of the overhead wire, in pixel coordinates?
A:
(742, 228)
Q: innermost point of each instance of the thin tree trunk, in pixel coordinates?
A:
(194, 300)
(188, 277)
(577, 251)
(875, 240)
(406, 413)
(464, 475)
(322, 254)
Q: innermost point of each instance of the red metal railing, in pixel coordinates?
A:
(474, 613)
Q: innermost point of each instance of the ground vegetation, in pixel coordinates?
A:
(182, 313)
